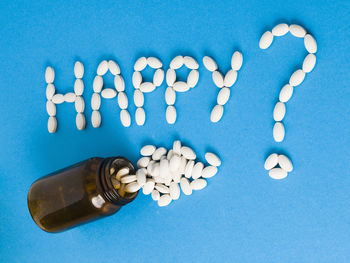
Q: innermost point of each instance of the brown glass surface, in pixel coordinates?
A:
(73, 196)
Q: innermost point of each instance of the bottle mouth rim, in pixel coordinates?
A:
(111, 193)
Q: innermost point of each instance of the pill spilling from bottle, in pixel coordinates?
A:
(164, 173)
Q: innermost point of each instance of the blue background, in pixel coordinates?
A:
(242, 215)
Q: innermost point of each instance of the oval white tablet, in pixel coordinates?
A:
(170, 114)
(236, 60)
(210, 64)
(96, 119)
(218, 79)
(113, 67)
(286, 93)
(177, 62)
(49, 75)
(216, 113)
(266, 40)
(138, 98)
(285, 163)
(310, 44)
(280, 30)
(170, 77)
(140, 64)
(170, 96)
(102, 68)
(119, 83)
(52, 124)
(95, 101)
(279, 111)
(277, 173)
(190, 62)
(125, 118)
(140, 116)
(297, 78)
(278, 132)
(122, 100)
(158, 77)
(147, 87)
(212, 159)
(309, 63)
(223, 96)
(192, 78)
(78, 70)
(297, 31)
(230, 78)
(271, 161)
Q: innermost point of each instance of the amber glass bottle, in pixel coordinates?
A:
(78, 194)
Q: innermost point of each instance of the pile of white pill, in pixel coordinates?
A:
(145, 87)
(75, 97)
(109, 93)
(296, 78)
(164, 173)
(278, 166)
(224, 83)
(175, 85)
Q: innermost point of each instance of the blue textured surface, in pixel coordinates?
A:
(242, 215)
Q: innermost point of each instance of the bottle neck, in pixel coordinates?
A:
(110, 193)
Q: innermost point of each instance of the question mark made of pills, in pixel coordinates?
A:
(280, 165)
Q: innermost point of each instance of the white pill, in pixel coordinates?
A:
(177, 147)
(158, 77)
(147, 87)
(174, 163)
(147, 150)
(50, 108)
(141, 177)
(143, 162)
(158, 153)
(181, 86)
(277, 173)
(182, 167)
(50, 91)
(132, 187)
(197, 170)
(69, 97)
(95, 101)
(96, 119)
(198, 184)
(236, 61)
(138, 98)
(271, 161)
(297, 31)
(230, 78)
(108, 93)
(125, 118)
(185, 186)
(140, 64)
(169, 155)
(170, 114)
(174, 190)
(285, 163)
(113, 67)
(216, 113)
(78, 70)
(163, 168)
(189, 168)
(212, 159)
(279, 111)
(136, 79)
(102, 68)
(192, 78)
(122, 100)
(266, 40)
(52, 124)
(188, 153)
(310, 44)
(164, 200)
(80, 121)
(190, 62)
(209, 171)
(97, 84)
(278, 131)
(119, 83)
(79, 104)
(121, 172)
(170, 96)
(78, 87)
(223, 96)
(58, 98)
(155, 195)
(286, 93)
(128, 179)
(218, 79)
(170, 77)
(309, 63)
(162, 188)
(49, 75)
(177, 62)
(210, 64)
(297, 78)
(154, 62)
(140, 116)
(280, 30)
(148, 187)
